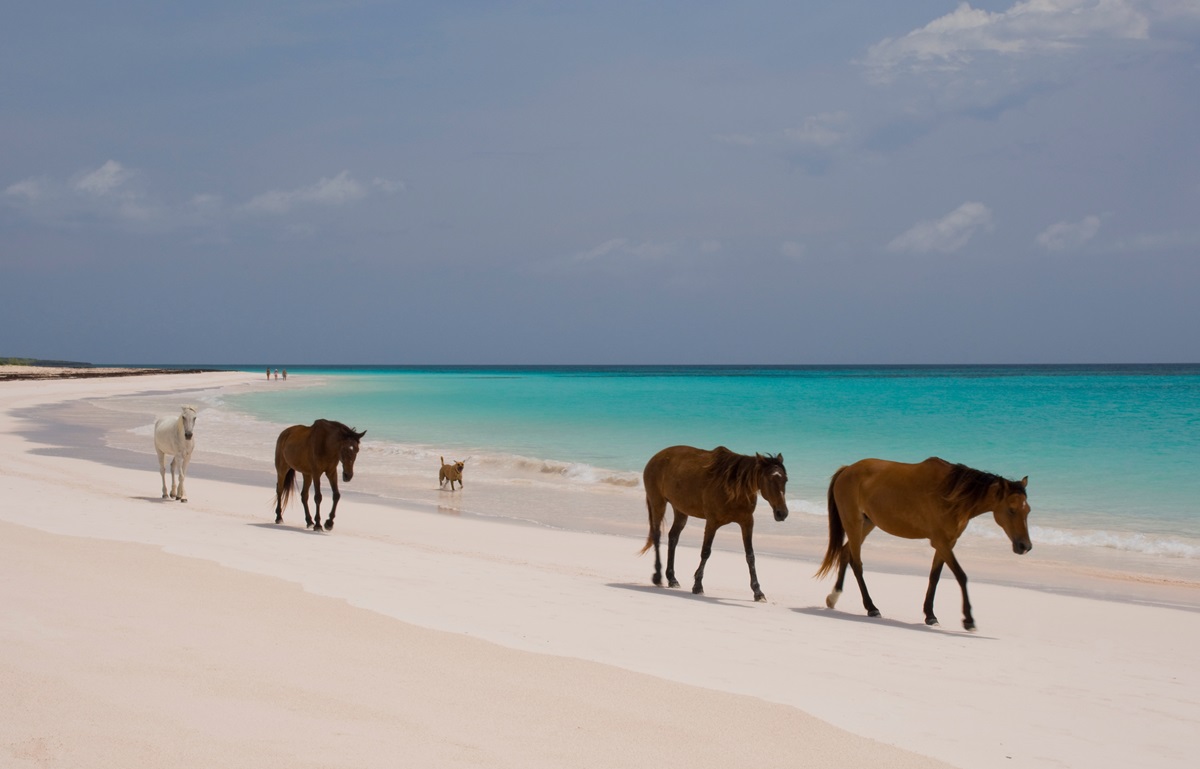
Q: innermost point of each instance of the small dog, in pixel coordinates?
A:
(451, 472)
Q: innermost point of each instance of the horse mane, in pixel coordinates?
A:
(344, 433)
(965, 487)
(738, 473)
(350, 433)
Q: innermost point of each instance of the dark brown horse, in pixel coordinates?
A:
(314, 450)
(719, 486)
(931, 500)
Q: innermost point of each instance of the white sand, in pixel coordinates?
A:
(140, 632)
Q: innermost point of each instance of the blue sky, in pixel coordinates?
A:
(610, 182)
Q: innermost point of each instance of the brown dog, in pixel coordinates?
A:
(451, 472)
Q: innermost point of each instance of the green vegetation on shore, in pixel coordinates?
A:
(37, 362)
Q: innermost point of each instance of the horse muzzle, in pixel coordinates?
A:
(781, 514)
(1021, 548)
(188, 436)
(346, 476)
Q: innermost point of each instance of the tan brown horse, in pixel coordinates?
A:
(719, 486)
(931, 500)
(314, 450)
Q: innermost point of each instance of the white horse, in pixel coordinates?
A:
(174, 436)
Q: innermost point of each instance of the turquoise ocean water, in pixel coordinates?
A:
(1112, 452)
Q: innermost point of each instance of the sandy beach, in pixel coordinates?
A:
(144, 632)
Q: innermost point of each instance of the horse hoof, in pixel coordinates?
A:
(166, 496)
(328, 525)
(759, 597)
(931, 621)
(673, 583)
(969, 626)
(656, 579)
(874, 613)
(279, 519)
(181, 499)
(697, 590)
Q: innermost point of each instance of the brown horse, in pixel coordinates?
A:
(314, 450)
(931, 500)
(719, 486)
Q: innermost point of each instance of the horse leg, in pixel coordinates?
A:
(656, 508)
(854, 555)
(281, 477)
(935, 573)
(710, 531)
(747, 532)
(174, 462)
(308, 521)
(317, 502)
(183, 463)
(673, 540)
(952, 562)
(162, 472)
(843, 561)
(332, 476)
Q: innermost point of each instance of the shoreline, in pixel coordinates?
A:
(1045, 675)
(1072, 570)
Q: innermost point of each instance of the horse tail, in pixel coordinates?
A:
(284, 492)
(650, 537)
(837, 532)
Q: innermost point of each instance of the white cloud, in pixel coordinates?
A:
(605, 248)
(1030, 26)
(337, 191)
(945, 235)
(741, 140)
(387, 185)
(822, 130)
(1158, 241)
(1065, 236)
(622, 247)
(108, 192)
(116, 193)
(31, 190)
(108, 179)
(650, 250)
(791, 249)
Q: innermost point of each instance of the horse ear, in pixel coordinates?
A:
(780, 458)
(1025, 481)
(360, 435)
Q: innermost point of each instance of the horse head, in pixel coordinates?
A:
(188, 418)
(1012, 514)
(349, 451)
(772, 483)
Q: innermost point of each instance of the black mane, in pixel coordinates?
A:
(967, 487)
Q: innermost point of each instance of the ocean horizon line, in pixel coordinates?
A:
(243, 366)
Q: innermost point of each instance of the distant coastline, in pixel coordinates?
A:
(31, 368)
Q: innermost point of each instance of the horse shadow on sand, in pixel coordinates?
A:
(285, 527)
(686, 595)
(920, 627)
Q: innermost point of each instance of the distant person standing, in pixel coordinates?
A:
(277, 374)
(285, 374)
(268, 374)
